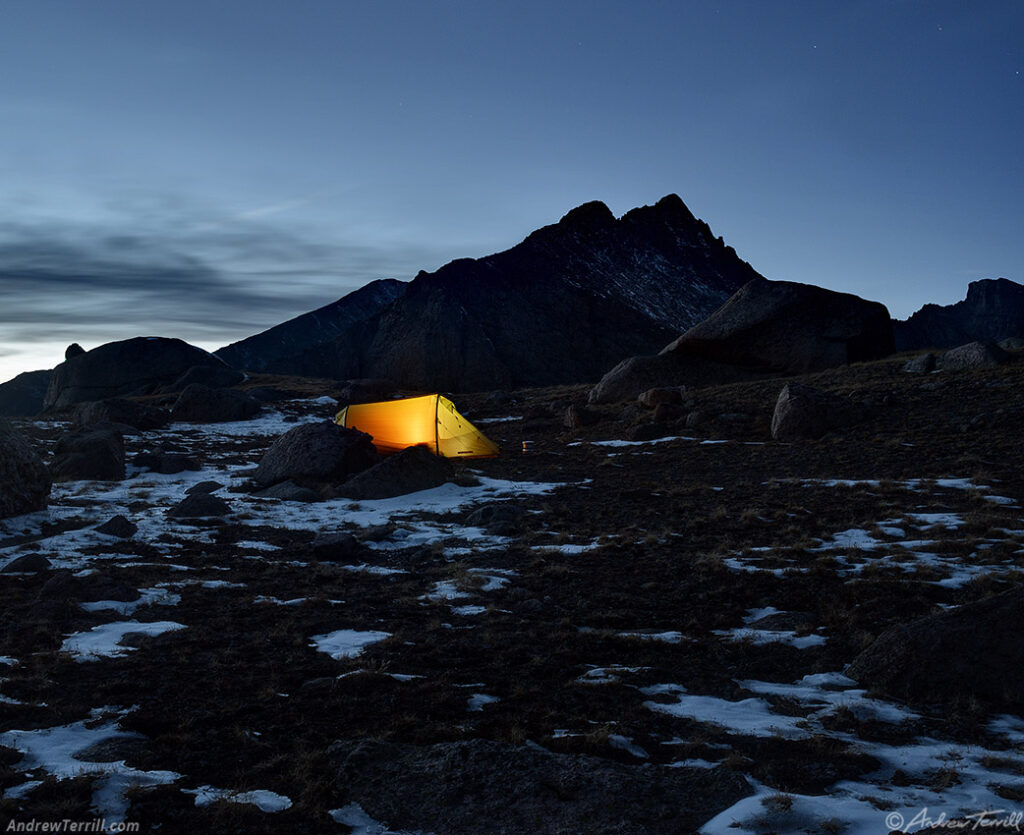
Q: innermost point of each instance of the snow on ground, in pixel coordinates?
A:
(771, 636)
(54, 751)
(346, 643)
(158, 596)
(873, 801)
(104, 641)
(265, 801)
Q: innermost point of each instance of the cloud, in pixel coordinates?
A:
(223, 283)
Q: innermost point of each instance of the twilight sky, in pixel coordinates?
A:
(207, 168)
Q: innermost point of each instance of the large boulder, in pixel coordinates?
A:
(94, 452)
(766, 328)
(23, 396)
(121, 411)
(24, 480)
(202, 404)
(408, 471)
(452, 787)
(133, 366)
(804, 412)
(213, 376)
(972, 355)
(973, 651)
(316, 453)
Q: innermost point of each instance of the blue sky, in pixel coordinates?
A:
(207, 169)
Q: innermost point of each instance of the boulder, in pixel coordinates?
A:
(652, 398)
(118, 526)
(408, 471)
(23, 396)
(211, 376)
(803, 412)
(973, 651)
(452, 787)
(923, 364)
(24, 480)
(365, 391)
(765, 329)
(1011, 343)
(668, 412)
(27, 564)
(73, 350)
(132, 366)
(972, 355)
(119, 410)
(576, 417)
(650, 431)
(202, 404)
(316, 453)
(163, 460)
(88, 588)
(94, 452)
(200, 505)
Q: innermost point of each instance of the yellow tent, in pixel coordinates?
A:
(431, 421)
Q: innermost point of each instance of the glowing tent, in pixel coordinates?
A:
(431, 421)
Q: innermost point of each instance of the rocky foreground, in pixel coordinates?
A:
(665, 617)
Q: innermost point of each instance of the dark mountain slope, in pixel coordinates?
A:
(262, 351)
(993, 310)
(557, 308)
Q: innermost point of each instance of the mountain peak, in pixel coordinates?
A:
(588, 215)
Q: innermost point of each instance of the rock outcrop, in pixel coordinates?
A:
(973, 651)
(273, 349)
(992, 311)
(767, 328)
(131, 367)
(24, 480)
(23, 396)
(562, 306)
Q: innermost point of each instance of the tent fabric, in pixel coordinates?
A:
(430, 420)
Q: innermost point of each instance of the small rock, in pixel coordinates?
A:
(204, 487)
(200, 505)
(924, 364)
(337, 547)
(499, 518)
(289, 491)
(118, 526)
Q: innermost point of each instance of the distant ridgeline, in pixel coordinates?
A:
(563, 306)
